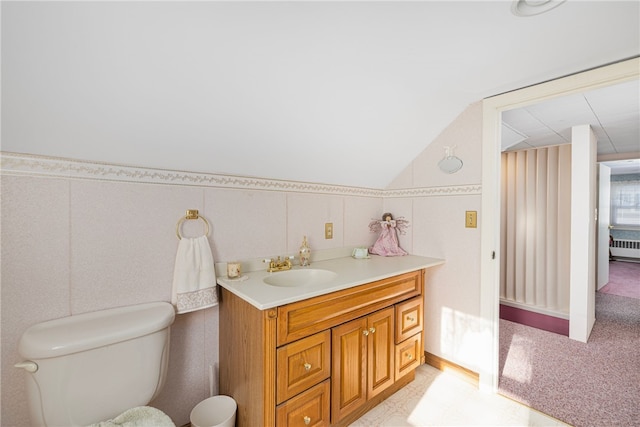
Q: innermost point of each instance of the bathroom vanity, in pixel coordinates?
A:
(323, 353)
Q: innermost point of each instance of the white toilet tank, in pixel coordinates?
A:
(93, 366)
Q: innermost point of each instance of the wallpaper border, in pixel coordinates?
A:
(53, 167)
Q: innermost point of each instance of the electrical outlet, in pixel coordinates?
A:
(471, 219)
(328, 230)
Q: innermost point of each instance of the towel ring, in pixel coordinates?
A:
(191, 214)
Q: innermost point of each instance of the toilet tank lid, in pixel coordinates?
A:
(86, 331)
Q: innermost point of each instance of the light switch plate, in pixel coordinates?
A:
(471, 219)
(328, 230)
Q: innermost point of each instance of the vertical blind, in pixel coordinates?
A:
(536, 227)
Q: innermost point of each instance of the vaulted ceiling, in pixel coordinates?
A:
(331, 92)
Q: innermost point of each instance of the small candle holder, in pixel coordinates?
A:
(234, 270)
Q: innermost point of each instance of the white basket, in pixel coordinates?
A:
(216, 411)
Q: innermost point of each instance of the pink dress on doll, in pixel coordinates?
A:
(387, 243)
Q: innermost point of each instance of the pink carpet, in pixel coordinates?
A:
(624, 279)
(593, 384)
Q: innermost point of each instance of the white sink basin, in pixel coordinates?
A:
(302, 277)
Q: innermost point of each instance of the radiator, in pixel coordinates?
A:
(625, 248)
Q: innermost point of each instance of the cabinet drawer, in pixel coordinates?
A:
(409, 318)
(408, 354)
(303, 318)
(302, 364)
(309, 409)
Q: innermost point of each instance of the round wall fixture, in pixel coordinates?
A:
(533, 7)
(450, 163)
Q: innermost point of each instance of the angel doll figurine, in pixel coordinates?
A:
(387, 243)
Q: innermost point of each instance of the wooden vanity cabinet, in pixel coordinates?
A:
(321, 361)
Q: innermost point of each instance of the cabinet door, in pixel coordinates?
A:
(348, 368)
(380, 351)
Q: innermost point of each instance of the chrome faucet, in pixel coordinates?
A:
(278, 264)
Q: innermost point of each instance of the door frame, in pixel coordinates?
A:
(604, 203)
(491, 173)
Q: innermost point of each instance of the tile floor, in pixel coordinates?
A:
(437, 398)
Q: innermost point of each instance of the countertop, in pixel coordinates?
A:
(349, 272)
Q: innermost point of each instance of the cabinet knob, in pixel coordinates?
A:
(372, 330)
(307, 366)
(409, 356)
(365, 333)
(306, 420)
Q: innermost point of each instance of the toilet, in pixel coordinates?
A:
(91, 367)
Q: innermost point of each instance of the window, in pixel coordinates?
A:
(625, 203)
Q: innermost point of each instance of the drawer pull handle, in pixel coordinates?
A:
(409, 356)
(365, 333)
(372, 330)
(306, 420)
(307, 367)
(411, 318)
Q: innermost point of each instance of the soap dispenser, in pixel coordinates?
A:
(305, 253)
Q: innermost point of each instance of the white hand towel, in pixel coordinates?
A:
(194, 276)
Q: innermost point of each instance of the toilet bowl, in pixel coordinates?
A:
(91, 367)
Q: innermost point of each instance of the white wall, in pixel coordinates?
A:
(583, 233)
(437, 202)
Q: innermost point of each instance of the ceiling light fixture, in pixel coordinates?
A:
(533, 7)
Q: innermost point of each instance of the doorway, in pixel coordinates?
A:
(490, 234)
(620, 214)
